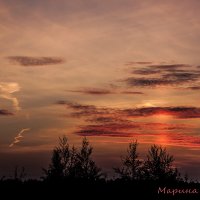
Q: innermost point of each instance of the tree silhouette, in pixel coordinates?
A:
(56, 168)
(73, 169)
(60, 157)
(88, 169)
(131, 165)
(71, 163)
(159, 165)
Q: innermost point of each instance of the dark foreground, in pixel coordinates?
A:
(101, 189)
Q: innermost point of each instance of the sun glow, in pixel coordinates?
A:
(162, 117)
(162, 140)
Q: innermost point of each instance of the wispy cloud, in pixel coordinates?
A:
(139, 63)
(168, 66)
(125, 122)
(132, 92)
(81, 110)
(193, 88)
(164, 138)
(6, 112)
(19, 137)
(127, 129)
(150, 82)
(97, 91)
(184, 76)
(176, 112)
(35, 61)
(146, 71)
(179, 112)
(93, 91)
(6, 91)
(164, 75)
(119, 123)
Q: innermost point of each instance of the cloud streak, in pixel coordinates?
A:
(93, 91)
(164, 75)
(150, 82)
(194, 88)
(179, 112)
(28, 61)
(86, 110)
(146, 71)
(97, 91)
(176, 112)
(139, 63)
(19, 136)
(163, 138)
(124, 129)
(168, 66)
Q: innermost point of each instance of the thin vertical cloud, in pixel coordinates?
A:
(19, 137)
(6, 92)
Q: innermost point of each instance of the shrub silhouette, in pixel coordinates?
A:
(131, 165)
(71, 163)
(159, 165)
(19, 174)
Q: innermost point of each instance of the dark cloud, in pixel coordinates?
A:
(182, 76)
(113, 126)
(177, 112)
(178, 70)
(151, 82)
(96, 91)
(146, 71)
(5, 112)
(108, 119)
(168, 67)
(94, 132)
(131, 92)
(139, 63)
(61, 102)
(128, 129)
(76, 106)
(105, 113)
(86, 110)
(35, 61)
(93, 91)
(194, 88)
(163, 75)
(114, 122)
(172, 138)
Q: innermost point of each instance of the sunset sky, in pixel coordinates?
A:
(111, 70)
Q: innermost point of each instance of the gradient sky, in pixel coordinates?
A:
(112, 70)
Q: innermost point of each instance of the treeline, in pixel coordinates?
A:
(77, 164)
(73, 171)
